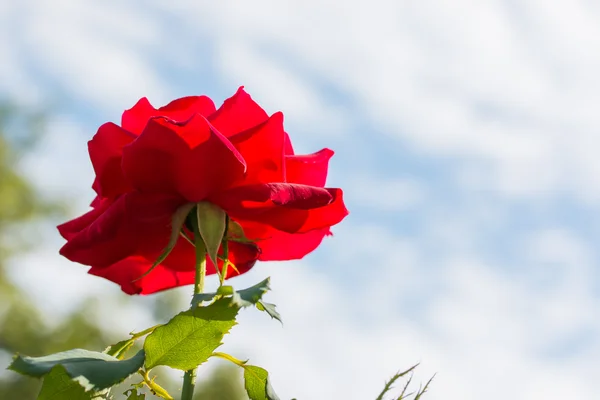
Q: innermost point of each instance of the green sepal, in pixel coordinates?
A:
(91, 369)
(212, 223)
(257, 383)
(177, 222)
(190, 338)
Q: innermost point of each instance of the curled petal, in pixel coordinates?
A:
(190, 159)
(136, 118)
(287, 207)
(326, 216)
(245, 201)
(237, 114)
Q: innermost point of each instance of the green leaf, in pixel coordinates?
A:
(221, 291)
(93, 370)
(200, 297)
(269, 308)
(212, 222)
(244, 298)
(422, 391)
(257, 383)
(59, 386)
(119, 349)
(404, 395)
(225, 290)
(177, 222)
(252, 295)
(190, 337)
(389, 384)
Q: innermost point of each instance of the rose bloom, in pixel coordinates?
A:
(236, 157)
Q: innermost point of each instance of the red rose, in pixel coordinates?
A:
(236, 157)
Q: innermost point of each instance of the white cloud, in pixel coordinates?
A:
(59, 165)
(278, 88)
(386, 195)
(91, 51)
(512, 88)
(483, 331)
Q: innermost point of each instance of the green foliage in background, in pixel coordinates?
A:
(22, 327)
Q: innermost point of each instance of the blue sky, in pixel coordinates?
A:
(466, 137)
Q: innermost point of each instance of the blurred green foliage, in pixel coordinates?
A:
(22, 327)
(224, 383)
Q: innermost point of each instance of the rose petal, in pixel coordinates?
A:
(96, 202)
(133, 224)
(243, 256)
(237, 114)
(329, 215)
(298, 220)
(126, 273)
(183, 257)
(286, 246)
(190, 159)
(287, 207)
(276, 245)
(182, 109)
(74, 226)
(287, 147)
(136, 118)
(262, 148)
(106, 150)
(310, 169)
(244, 201)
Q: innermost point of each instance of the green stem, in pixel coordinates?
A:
(200, 265)
(189, 383)
(154, 387)
(189, 379)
